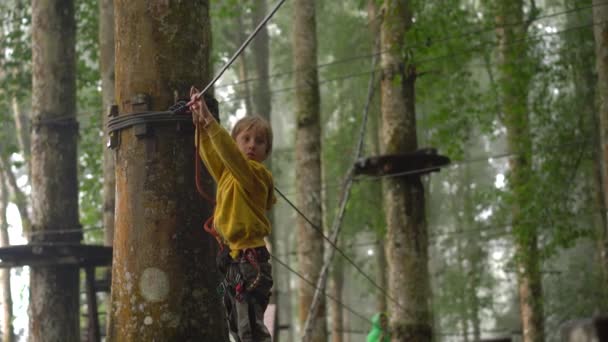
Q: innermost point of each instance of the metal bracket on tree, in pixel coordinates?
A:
(141, 118)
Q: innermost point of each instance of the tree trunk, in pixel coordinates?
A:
(164, 277)
(381, 305)
(514, 83)
(407, 237)
(308, 161)
(22, 125)
(473, 249)
(600, 17)
(243, 70)
(261, 51)
(262, 106)
(336, 289)
(374, 22)
(54, 310)
(106, 66)
(19, 198)
(5, 273)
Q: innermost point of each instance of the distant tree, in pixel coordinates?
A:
(308, 161)
(404, 203)
(5, 273)
(106, 61)
(54, 291)
(514, 84)
(600, 17)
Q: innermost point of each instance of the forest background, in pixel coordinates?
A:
(454, 45)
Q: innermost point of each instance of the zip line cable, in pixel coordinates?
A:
(419, 45)
(522, 22)
(335, 247)
(344, 197)
(360, 74)
(451, 166)
(526, 39)
(429, 59)
(309, 282)
(241, 48)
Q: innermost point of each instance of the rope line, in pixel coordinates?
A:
(241, 48)
(344, 197)
(429, 59)
(338, 249)
(416, 45)
(322, 290)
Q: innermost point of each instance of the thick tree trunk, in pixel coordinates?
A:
(54, 310)
(106, 66)
(164, 276)
(308, 161)
(514, 83)
(5, 273)
(407, 237)
(600, 17)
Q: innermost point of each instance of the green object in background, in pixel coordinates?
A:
(379, 332)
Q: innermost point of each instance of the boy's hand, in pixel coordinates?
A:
(198, 107)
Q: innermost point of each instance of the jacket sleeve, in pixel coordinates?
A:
(208, 154)
(233, 160)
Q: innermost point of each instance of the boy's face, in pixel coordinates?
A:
(253, 143)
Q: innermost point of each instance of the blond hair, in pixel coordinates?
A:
(257, 122)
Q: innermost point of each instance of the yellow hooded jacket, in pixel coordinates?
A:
(245, 190)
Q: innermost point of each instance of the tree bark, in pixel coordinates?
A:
(308, 161)
(514, 83)
(407, 237)
(243, 68)
(374, 21)
(106, 66)
(164, 276)
(54, 310)
(5, 273)
(262, 106)
(600, 17)
(22, 125)
(19, 197)
(336, 289)
(260, 47)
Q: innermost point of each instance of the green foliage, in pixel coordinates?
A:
(91, 144)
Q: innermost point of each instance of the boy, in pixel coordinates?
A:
(244, 193)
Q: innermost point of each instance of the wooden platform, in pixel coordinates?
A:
(420, 162)
(55, 254)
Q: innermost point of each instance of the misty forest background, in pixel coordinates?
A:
(475, 64)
